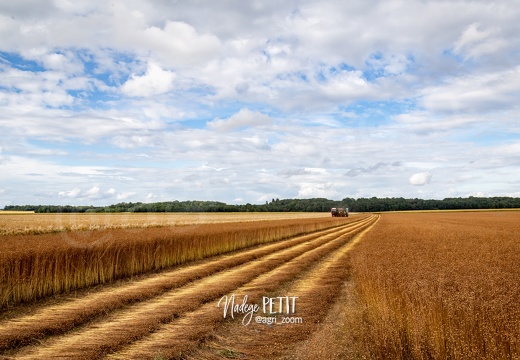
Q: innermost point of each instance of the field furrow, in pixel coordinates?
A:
(140, 308)
(305, 276)
(65, 316)
(316, 292)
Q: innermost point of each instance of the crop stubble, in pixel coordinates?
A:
(314, 276)
(318, 288)
(138, 309)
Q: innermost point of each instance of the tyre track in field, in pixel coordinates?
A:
(57, 319)
(308, 274)
(317, 292)
(137, 320)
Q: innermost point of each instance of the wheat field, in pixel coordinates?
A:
(165, 314)
(36, 265)
(29, 223)
(439, 285)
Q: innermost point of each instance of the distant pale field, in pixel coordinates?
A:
(13, 223)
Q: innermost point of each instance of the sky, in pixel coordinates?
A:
(108, 101)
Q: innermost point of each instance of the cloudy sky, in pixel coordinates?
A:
(106, 101)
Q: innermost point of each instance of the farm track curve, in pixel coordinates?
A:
(172, 311)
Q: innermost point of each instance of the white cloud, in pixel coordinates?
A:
(136, 95)
(323, 190)
(475, 93)
(470, 36)
(62, 62)
(244, 117)
(420, 179)
(155, 81)
(29, 89)
(125, 195)
(474, 42)
(179, 43)
(93, 192)
(70, 193)
(347, 83)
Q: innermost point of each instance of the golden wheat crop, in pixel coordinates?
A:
(409, 285)
(174, 312)
(36, 266)
(438, 285)
(15, 223)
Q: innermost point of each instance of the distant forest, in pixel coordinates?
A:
(306, 205)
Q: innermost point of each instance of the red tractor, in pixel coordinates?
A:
(339, 212)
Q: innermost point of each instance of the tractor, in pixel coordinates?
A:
(339, 212)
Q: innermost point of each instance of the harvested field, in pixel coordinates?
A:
(420, 286)
(396, 285)
(168, 314)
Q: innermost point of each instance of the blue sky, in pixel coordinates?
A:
(105, 102)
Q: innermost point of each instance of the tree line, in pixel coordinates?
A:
(372, 204)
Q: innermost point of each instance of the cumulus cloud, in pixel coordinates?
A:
(125, 195)
(152, 90)
(475, 93)
(244, 117)
(62, 62)
(93, 193)
(155, 81)
(33, 89)
(420, 179)
(179, 43)
(347, 84)
(311, 190)
(70, 193)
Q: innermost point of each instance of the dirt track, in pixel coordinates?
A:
(174, 314)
